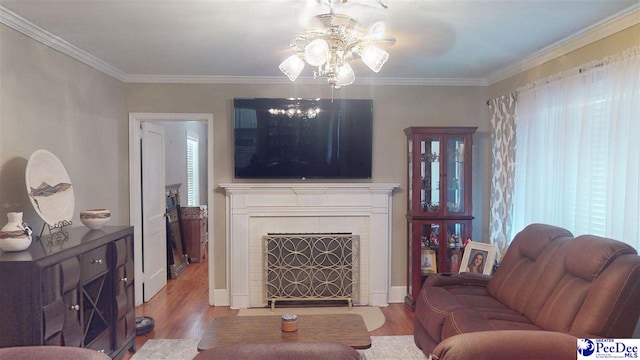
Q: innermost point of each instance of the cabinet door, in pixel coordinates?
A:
(451, 246)
(124, 292)
(53, 312)
(72, 331)
(457, 189)
(61, 304)
(97, 297)
(422, 255)
(430, 173)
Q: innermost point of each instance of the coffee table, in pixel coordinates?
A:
(348, 329)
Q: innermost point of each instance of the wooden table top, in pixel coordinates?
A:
(348, 329)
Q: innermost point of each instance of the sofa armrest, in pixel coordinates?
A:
(462, 279)
(508, 344)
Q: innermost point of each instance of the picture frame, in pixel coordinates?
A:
(475, 249)
(428, 264)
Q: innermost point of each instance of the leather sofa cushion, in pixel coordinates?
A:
(531, 268)
(437, 305)
(588, 255)
(477, 319)
(522, 345)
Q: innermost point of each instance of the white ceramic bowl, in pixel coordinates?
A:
(94, 219)
(15, 243)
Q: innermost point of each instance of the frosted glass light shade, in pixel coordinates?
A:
(374, 57)
(292, 67)
(316, 52)
(345, 75)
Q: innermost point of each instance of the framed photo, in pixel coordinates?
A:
(478, 257)
(428, 262)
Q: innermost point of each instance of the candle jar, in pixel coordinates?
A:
(289, 323)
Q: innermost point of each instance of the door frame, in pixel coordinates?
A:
(135, 189)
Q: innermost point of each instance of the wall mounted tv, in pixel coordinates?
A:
(299, 138)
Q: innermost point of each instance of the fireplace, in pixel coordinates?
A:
(253, 210)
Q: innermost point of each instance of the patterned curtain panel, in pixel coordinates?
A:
(503, 133)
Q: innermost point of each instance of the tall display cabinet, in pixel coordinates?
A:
(439, 202)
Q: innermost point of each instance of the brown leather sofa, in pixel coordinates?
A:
(549, 290)
(50, 353)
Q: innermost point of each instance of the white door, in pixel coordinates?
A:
(154, 236)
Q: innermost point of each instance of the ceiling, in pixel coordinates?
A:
(463, 42)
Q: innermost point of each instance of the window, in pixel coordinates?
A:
(193, 170)
(577, 152)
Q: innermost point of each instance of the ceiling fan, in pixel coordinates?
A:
(331, 41)
(334, 2)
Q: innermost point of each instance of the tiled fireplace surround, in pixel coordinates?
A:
(256, 209)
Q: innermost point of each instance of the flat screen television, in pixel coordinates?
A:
(300, 138)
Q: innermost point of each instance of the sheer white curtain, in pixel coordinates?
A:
(578, 151)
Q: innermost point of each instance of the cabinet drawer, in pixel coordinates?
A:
(93, 263)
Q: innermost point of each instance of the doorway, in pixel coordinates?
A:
(136, 186)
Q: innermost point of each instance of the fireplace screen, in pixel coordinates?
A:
(311, 267)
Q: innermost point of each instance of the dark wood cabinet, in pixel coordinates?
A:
(439, 207)
(194, 222)
(73, 290)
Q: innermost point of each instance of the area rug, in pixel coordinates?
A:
(382, 348)
(392, 348)
(372, 315)
(167, 349)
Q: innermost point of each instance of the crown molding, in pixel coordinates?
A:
(24, 26)
(598, 31)
(281, 80)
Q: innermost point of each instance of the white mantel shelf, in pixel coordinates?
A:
(253, 208)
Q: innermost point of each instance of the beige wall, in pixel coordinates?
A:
(51, 101)
(598, 50)
(395, 108)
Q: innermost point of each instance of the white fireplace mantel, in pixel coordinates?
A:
(328, 202)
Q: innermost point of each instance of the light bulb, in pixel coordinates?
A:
(292, 67)
(374, 57)
(345, 75)
(316, 52)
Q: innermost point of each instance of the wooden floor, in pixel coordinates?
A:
(181, 310)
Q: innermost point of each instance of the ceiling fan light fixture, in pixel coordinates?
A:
(292, 67)
(332, 43)
(344, 75)
(374, 57)
(317, 52)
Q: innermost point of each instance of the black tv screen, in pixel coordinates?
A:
(300, 138)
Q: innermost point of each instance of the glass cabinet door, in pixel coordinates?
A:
(452, 248)
(455, 187)
(430, 197)
(429, 234)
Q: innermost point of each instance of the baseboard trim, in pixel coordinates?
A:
(397, 294)
(220, 297)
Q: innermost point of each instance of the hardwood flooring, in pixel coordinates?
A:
(181, 310)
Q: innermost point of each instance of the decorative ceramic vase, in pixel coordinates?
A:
(94, 219)
(13, 236)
